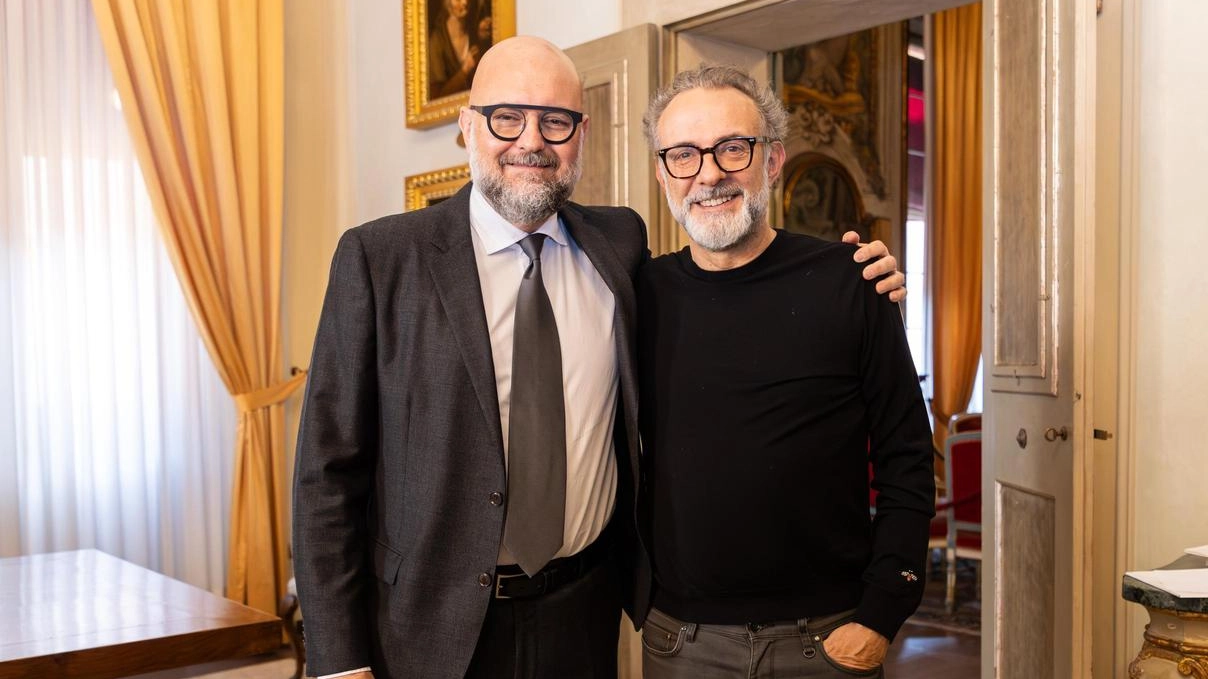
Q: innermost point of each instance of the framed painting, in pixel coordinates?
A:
(821, 199)
(443, 41)
(430, 188)
(846, 97)
(831, 86)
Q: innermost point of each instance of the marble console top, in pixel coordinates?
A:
(1149, 596)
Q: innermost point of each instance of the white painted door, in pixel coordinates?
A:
(1039, 183)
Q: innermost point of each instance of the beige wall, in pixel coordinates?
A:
(1171, 374)
(317, 159)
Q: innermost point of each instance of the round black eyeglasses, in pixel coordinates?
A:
(507, 121)
(731, 155)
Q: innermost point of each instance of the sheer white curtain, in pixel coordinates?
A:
(115, 430)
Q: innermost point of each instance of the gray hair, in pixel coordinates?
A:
(716, 77)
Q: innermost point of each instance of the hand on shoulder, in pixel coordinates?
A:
(883, 265)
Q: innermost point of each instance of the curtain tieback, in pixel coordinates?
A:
(270, 395)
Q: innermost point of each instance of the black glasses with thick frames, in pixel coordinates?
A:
(507, 121)
(731, 155)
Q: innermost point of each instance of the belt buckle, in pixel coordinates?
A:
(499, 578)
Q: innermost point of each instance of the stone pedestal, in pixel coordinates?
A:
(1176, 638)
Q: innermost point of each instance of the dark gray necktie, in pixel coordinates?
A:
(536, 502)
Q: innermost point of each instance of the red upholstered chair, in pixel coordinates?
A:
(964, 422)
(958, 517)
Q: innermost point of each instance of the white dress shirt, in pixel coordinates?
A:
(583, 308)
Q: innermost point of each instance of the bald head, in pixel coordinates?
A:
(525, 177)
(527, 70)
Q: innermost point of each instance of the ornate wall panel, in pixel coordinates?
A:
(1027, 569)
(1025, 152)
(604, 158)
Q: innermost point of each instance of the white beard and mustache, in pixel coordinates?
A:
(721, 232)
(530, 200)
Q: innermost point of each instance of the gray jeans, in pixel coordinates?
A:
(673, 649)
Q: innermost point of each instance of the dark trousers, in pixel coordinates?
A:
(792, 649)
(570, 633)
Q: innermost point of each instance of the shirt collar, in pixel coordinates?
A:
(497, 233)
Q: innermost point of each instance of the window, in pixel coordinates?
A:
(121, 433)
(918, 304)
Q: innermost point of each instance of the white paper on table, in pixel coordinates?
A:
(1190, 583)
(1202, 550)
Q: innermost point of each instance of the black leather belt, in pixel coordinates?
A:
(512, 583)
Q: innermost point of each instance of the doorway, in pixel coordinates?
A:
(1038, 222)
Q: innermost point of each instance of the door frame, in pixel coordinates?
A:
(1115, 624)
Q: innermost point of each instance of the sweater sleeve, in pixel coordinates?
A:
(900, 450)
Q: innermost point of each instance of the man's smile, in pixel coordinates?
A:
(714, 202)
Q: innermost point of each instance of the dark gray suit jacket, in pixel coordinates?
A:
(400, 446)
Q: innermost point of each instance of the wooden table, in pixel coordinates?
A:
(88, 614)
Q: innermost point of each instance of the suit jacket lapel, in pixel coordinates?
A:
(455, 273)
(604, 257)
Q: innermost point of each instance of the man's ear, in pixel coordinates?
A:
(776, 160)
(465, 120)
(658, 172)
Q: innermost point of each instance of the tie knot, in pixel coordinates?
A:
(532, 246)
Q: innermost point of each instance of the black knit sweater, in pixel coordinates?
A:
(765, 392)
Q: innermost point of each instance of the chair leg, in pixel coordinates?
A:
(289, 606)
(950, 594)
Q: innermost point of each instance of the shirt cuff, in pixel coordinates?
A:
(345, 673)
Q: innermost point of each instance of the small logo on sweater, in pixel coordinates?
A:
(909, 576)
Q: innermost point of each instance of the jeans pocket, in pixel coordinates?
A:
(844, 669)
(813, 638)
(661, 637)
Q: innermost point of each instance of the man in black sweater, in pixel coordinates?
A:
(770, 378)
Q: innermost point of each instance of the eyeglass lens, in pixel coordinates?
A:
(731, 155)
(510, 122)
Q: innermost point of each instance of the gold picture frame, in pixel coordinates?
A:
(435, 68)
(821, 198)
(430, 188)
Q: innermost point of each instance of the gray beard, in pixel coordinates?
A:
(722, 232)
(534, 201)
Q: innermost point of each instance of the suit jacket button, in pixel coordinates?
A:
(484, 579)
(496, 499)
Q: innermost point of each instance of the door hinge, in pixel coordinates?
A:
(1103, 434)
(1098, 7)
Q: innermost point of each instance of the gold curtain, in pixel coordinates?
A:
(202, 86)
(956, 215)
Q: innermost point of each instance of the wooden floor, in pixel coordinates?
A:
(927, 653)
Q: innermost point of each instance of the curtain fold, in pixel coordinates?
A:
(956, 214)
(201, 83)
